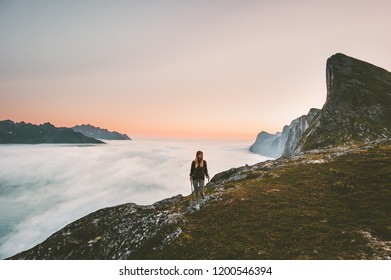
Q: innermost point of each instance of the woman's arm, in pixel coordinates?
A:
(192, 167)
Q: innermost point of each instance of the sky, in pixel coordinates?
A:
(179, 69)
(57, 184)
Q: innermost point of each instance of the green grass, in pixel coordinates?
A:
(297, 211)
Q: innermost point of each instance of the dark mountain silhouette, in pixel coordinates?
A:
(99, 133)
(27, 133)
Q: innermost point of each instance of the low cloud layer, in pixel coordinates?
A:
(45, 187)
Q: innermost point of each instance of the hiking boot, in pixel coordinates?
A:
(197, 207)
(202, 202)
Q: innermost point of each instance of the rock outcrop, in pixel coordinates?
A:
(283, 143)
(267, 144)
(124, 231)
(358, 105)
(296, 129)
(27, 133)
(113, 233)
(99, 133)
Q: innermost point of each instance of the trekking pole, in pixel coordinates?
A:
(192, 190)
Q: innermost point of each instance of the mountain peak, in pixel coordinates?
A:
(99, 133)
(357, 108)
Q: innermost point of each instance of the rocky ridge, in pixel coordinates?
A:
(357, 108)
(99, 133)
(283, 143)
(336, 214)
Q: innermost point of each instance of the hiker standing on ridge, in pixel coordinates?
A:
(198, 171)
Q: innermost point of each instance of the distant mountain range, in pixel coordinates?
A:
(27, 133)
(99, 133)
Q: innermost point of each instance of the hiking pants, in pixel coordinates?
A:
(198, 188)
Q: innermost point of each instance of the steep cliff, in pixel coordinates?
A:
(296, 130)
(267, 144)
(283, 143)
(358, 105)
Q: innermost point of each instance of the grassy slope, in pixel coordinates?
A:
(296, 210)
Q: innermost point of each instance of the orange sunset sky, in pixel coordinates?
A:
(190, 69)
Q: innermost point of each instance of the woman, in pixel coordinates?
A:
(198, 171)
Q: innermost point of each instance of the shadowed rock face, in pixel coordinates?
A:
(283, 143)
(296, 130)
(358, 105)
(267, 144)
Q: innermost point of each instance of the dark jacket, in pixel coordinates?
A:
(198, 173)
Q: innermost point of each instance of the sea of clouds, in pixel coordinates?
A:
(45, 187)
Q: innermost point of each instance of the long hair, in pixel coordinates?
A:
(202, 159)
